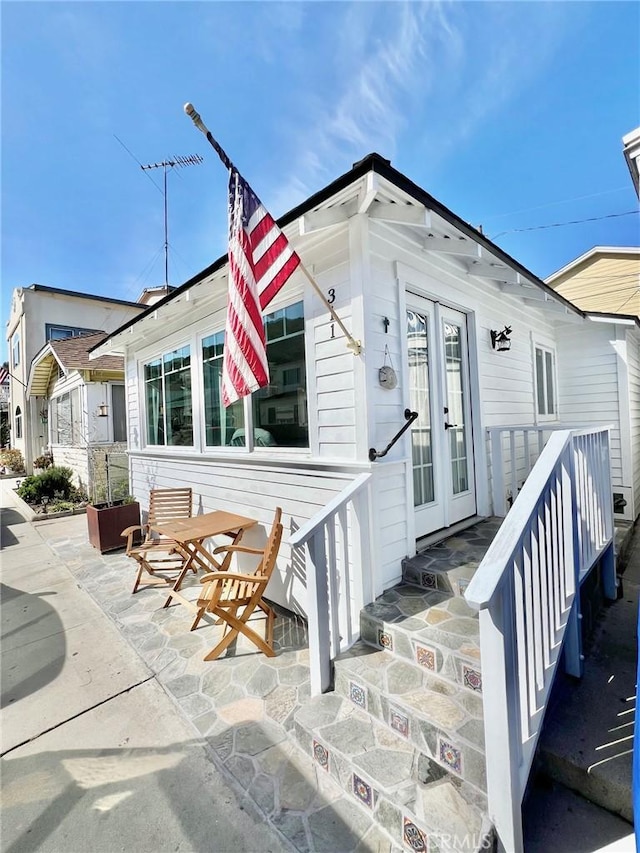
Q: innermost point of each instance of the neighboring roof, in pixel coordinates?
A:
(73, 353)
(592, 254)
(606, 280)
(70, 354)
(153, 294)
(45, 289)
(382, 167)
(631, 149)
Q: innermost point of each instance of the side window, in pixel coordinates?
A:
(18, 420)
(15, 350)
(545, 379)
(119, 416)
(167, 389)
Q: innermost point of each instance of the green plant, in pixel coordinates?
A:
(43, 462)
(61, 506)
(12, 459)
(54, 483)
(5, 433)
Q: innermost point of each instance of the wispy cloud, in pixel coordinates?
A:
(439, 68)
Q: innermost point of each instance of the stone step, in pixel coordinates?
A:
(436, 631)
(419, 803)
(448, 566)
(440, 718)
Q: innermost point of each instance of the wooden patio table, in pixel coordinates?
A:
(191, 533)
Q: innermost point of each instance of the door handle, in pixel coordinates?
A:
(450, 426)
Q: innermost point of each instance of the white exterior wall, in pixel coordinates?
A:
(369, 266)
(633, 366)
(588, 384)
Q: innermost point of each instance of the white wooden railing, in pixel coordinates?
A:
(527, 591)
(337, 543)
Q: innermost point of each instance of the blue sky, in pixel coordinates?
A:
(509, 113)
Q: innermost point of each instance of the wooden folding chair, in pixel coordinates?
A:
(156, 552)
(227, 593)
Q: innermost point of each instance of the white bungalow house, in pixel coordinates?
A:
(486, 368)
(82, 411)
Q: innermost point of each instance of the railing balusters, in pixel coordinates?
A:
(559, 526)
(335, 565)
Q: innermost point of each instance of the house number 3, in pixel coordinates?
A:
(331, 298)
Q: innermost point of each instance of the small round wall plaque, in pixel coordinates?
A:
(387, 377)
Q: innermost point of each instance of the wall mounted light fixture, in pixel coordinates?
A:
(103, 410)
(500, 340)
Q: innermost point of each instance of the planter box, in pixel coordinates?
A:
(107, 521)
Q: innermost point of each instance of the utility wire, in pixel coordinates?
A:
(160, 190)
(560, 224)
(555, 203)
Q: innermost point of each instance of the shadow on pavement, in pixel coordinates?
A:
(7, 536)
(23, 616)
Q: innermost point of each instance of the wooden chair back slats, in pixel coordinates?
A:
(159, 552)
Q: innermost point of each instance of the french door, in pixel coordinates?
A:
(441, 437)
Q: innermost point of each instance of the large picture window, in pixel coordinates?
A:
(222, 426)
(280, 410)
(277, 413)
(167, 382)
(545, 370)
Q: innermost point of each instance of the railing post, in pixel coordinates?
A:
(501, 718)
(318, 614)
(497, 475)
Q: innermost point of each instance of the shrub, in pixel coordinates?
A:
(52, 483)
(12, 459)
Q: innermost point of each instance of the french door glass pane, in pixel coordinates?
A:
(456, 405)
(418, 351)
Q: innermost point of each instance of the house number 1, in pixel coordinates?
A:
(331, 298)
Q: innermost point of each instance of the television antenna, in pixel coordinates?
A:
(170, 163)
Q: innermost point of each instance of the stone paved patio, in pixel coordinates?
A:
(242, 705)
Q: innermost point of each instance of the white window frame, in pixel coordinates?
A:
(250, 446)
(547, 350)
(153, 355)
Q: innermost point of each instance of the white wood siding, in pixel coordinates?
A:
(633, 367)
(588, 384)
(250, 489)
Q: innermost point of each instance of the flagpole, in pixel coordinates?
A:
(352, 344)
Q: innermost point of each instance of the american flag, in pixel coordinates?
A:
(4, 376)
(260, 262)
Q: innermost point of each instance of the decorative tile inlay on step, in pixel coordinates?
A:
(414, 838)
(472, 678)
(449, 755)
(426, 657)
(358, 695)
(385, 639)
(399, 722)
(321, 755)
(429, 580)
(363, 791)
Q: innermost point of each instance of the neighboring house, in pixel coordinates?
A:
(631, 150)
(82, 410)
(4, 397)
(425, 293)
(40, 314)
(604, 279)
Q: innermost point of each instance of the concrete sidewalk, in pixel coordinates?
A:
(96, 756)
